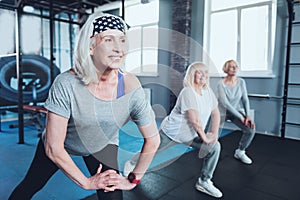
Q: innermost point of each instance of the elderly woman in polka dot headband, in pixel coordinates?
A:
(86, 106)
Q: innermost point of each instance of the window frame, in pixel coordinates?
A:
(142, 27)
(271, 4)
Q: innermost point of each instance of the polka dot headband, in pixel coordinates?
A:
(105, 23)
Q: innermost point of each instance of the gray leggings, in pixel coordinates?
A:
(209, 153)
(247, 133)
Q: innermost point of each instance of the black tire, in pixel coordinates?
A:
(36, 69)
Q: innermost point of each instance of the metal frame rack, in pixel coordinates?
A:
(287, 99)
(53, 7)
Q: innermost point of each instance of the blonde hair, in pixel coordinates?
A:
(189, 77)
(226, 65)
(83, 62)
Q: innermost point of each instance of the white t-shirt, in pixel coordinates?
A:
(176, 126)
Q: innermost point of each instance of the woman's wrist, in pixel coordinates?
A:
(134, 178)
(138, 174)
(86, 183)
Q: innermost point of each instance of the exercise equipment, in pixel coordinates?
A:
(36, 75)
(36, 78)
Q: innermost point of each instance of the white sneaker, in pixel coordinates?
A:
(241, 155)
(128, 167)
(208, 188)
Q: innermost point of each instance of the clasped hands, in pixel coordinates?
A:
(210, 138)
(248, 122)
(109, 181)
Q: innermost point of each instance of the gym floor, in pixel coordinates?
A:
(274, 174)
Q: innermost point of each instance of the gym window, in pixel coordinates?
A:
(142, 57)
(64, 37)
(7, 33)
(243, 30)
(35, 38)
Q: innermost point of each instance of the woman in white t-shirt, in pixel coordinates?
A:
(186, 123)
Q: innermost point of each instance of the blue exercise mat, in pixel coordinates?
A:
(131, 142)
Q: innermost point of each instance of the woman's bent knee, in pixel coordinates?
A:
(250, 132)
(217, 147)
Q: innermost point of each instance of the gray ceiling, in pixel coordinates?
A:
(59, 6)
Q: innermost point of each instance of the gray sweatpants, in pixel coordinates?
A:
(247, 133)
(209, 153)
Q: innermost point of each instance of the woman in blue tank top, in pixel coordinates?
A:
(86, 108)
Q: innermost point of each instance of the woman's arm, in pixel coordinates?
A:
(151, 143)
(245, 99)
(226, 104)
(193, 118)
(56, 128)
(215, 120)
(141, 113)
(246, 104)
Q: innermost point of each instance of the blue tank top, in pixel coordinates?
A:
(121, 88)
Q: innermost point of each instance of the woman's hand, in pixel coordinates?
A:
(109, 181)
(123, 184)
(243, 120)
(103, 180)
(210, 138)
(249, 122)
(207, 145)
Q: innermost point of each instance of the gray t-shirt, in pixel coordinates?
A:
(233, 99)
(94, 123)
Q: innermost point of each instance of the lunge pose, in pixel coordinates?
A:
(234, 105)
(186, 123)
(86, 106)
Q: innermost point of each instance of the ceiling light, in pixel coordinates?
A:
(28, 9)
